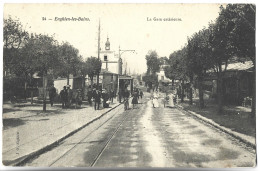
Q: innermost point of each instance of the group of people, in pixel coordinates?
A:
(169, 100)
(136, 95)
(97, 95)
(68, 97)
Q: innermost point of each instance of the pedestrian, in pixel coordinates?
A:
(69, 92)
(52, 94)
(120, 95)
(135, 99)
(78, 98)
(97, 98)
(138, 93)
(111, 96)
(141, 94)
(105, 97)
(64, 97)
(155, 100)
(89, 94)
(126, 97)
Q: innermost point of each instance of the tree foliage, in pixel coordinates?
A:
(152, 62)
(14, 37)
(92, 67)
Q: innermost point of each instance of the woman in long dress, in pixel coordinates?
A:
(135, 99)
(171, 96)
(155, 100)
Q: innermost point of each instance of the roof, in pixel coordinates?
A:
(239, 66)
(107, 72)
(124, 77)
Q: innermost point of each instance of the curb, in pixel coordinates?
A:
(30, 156)
(223, 129)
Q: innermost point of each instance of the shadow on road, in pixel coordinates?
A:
(12, 122)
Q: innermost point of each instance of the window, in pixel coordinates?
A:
(162, 77)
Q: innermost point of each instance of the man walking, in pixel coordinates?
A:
(52, 93)
(97, 97)
(64, 97)
(89, 94)
(69, 91)
(141, 94)
(111, 95)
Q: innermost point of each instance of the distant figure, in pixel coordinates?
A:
(126, 99)
(171, 99)
(141, 94)
(105, 97)
(69, 91)
(90, 95)
(138, 93)
(120, 95)
(155, 100)
(97, 98)
(111, 96)
(52, 94)
(64, 97)
(135, 98)
(77, 97)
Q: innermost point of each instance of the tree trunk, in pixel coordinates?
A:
(25, 90)
(190, 90)
(201, 100)
(31, 89)
(190, 96)
(220, 93)
(31, 96)
(44, 90)
(83, 87)
(182, 91)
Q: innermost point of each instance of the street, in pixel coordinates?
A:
(148, 137)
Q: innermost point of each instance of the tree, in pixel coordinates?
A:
(177, 68)
(241, 18)
(70, 60)
(222, 50)
(14, 37)
(41, 51)
(152, 62)
(92, 67)
(153, 65)
(150, 80)
(198, 55)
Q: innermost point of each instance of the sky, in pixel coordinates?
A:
(130, 26)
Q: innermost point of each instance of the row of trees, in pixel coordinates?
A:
(231, 37)
(27, 54)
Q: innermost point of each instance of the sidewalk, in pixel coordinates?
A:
(26, 129)
(233, 121)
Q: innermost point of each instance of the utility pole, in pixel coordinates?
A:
(98, 53)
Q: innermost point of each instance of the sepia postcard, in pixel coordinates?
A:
(129, 85)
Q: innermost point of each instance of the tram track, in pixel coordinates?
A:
(95, 126)
(29, 158)
(119, 116)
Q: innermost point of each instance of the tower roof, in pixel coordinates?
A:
(107, 44)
